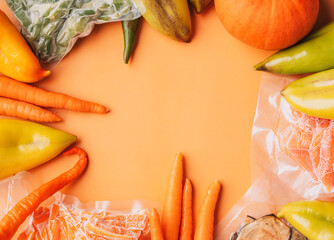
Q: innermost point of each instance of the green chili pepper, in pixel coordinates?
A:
(25, 145)
(315, 53)
(130, 29)
(314, 219)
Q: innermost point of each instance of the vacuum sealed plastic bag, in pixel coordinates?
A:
(65, 217)
(294, 146)
(291, 158)
(52, 27)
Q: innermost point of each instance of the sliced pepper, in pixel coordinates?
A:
(314, 219)
(25, 145)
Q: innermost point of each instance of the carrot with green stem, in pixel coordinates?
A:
(204, 227)
(187, 212)
(23, 110)
(156, 232)
(17, 215)
(10, 88)
(171, 215)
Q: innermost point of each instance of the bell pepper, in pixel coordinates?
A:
(130, 29)
(16, 58)
(25, 145)
(312, 54)
(314, 219)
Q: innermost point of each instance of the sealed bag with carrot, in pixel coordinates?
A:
(39, 214)
(291, 143)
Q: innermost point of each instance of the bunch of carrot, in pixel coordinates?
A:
(177, 216)
(24, 101)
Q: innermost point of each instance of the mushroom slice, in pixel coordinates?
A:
(266, 228)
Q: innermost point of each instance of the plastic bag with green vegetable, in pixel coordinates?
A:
(52, 26)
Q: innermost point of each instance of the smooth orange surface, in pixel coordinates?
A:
(198, 98)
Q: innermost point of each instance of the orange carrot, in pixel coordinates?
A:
(204, 227)
(156, 232)
(30, 236)
(45, 235)
(23, 110)
(187, 212)
(17, 215)
(22, 236)
(23, 92)
(171, 215)
(55, 229)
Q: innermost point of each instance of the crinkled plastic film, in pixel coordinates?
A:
(52, 27)
(65, 217)
(294, 146)
(291, 158)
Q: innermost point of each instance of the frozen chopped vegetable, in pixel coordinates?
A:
(52, 26)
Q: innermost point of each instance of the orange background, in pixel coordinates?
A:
(198, 98)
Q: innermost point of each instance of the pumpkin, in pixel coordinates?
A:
(268, 24)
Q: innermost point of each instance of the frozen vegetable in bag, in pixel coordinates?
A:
(65, 217)
(52, 26)
(296, 147)
(291, 159)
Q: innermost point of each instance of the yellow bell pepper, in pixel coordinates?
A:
(25, 145)
(314, 219)
(16, 58)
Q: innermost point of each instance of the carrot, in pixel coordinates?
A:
(204, 227)
(100, 232)
(22, 236)
(54, 226)
(31, 235)
(70, 235)
(17, 215)
(187, 212)
(171, 215)
(45, 235)
(13, 108)
(156, 233)
(23, 92)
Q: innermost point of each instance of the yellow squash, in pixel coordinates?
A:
(16, 58)
(170, 17)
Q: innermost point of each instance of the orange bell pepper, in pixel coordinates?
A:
(16, 58)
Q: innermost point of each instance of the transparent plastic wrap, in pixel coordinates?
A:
(65, 217)
(291, 158)
(52, 27)
(296, 147)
